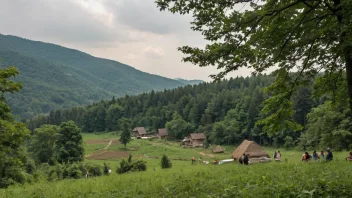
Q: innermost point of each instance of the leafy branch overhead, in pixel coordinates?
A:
(302, 36)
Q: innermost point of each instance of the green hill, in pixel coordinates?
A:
(58, 77)
(189, 82)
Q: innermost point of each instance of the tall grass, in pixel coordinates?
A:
(289, 178)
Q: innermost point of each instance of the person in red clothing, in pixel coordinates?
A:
(349, 158)
(306, 157)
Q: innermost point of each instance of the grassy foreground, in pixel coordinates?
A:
(184, 180)
(290, 178)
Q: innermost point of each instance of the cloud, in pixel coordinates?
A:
(145, 16)
(71, 21)
(155, 52)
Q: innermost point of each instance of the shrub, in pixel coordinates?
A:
(106, 169)
(30, 166)
(93, 169)
(130, 158)
(124, 167)
(139, 166)
(72, 171)
(165, 162)
(56, 173)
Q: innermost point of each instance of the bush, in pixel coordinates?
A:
(165, 162)
(129, 158)
(93, 169)
(126, 166)
(72, 171)
(56, 173)
(30, 166)
(106, 169)
(139, 166)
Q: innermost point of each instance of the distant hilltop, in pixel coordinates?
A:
(189, 82)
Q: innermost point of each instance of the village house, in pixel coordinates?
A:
(195, 140)
(162, 133)
(139, 132)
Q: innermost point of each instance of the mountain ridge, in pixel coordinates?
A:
(54, 76)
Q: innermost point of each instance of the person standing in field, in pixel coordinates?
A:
(240, 160)
(329, 156)
(322, 155)
(349, 158)
(246, 159)
(306, 157)
(315, 156)
(278, 156)
(193, 160)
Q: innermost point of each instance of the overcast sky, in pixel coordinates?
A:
(133, 32)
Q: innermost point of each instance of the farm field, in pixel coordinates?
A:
(289, 178)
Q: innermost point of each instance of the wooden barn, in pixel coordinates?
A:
(162, 133)
(195, 140)
(139, 132)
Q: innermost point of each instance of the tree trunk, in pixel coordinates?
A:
(348, 57)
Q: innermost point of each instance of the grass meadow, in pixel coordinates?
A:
(289, 178)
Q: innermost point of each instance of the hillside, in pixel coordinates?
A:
(58, 77)
(189, 82)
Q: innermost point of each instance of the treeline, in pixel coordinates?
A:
(227, 111)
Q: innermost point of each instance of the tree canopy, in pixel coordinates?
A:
(301, 36)
(69, 144)
(12, 134)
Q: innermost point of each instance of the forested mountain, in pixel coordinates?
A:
(189, 82)
(57, 77)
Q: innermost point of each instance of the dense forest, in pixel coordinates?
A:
(227, 111)
(56, 77)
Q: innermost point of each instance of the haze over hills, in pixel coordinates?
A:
(57, 77)
(189, 82)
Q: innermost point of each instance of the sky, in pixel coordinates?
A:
(133, 32)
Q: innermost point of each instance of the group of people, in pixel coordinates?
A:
(329, 156)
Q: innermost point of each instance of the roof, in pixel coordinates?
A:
(251, 148)
(140, 130)
(218, 149)
(197, 136)
(162, 132)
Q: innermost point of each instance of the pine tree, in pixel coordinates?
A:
(165, 162)
(125, 126)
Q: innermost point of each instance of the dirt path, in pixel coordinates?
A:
(209, 155)
(108, 145)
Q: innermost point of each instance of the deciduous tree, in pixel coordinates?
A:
(69, 144)
(302, 36)
(12, 134)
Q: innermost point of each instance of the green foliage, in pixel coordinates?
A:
(93, 170)
(313, 179)
(13, 135)
(69, 146)
(302, 36)
(126, 166)
(177, 127)
(139, 165)
(125, 126)
(42, 143)
(165, 162)
(328, 126)
(72, 170)
(57, 77)
(106, 168)
(129, 158)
